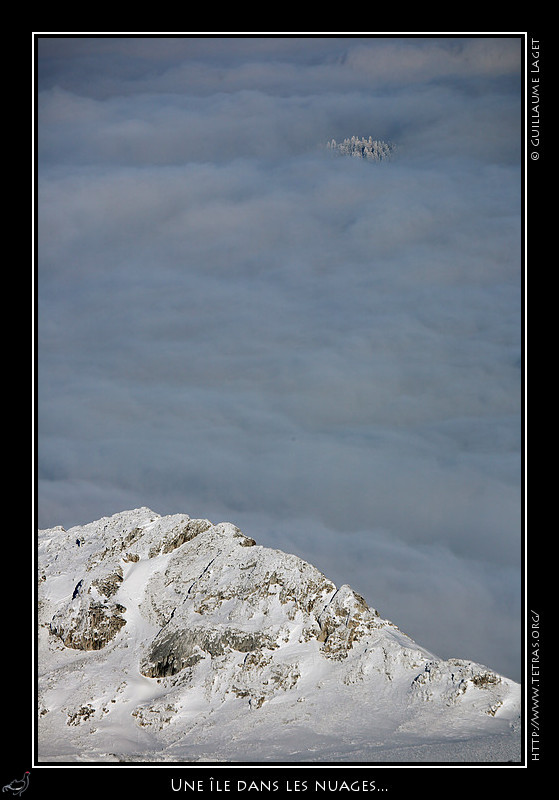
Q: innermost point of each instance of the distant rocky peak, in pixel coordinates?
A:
(360, 147)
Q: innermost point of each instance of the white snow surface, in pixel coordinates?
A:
(211, 648)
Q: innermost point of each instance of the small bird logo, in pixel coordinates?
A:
(17, 787)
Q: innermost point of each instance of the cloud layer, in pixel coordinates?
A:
(235, 324)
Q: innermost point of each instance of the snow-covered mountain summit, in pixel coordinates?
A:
(173, 639)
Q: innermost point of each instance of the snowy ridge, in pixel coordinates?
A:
(173, 639)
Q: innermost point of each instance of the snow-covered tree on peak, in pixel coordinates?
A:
(369, 149)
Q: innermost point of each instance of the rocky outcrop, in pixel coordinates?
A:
(448, 681)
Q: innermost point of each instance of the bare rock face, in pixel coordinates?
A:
(88, 624)
(345, 620)
(89, 620)
(183, 532)
(172, 651)
(109, 584)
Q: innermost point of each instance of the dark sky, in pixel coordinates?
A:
(237, 325)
